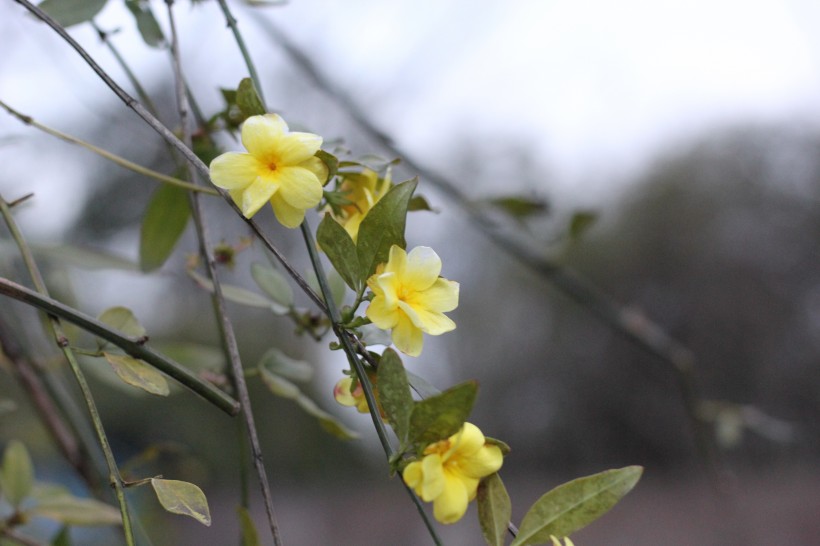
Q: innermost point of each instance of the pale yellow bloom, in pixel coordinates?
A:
(280, 167)
(350, 398)
(557, 541)
(450, 471)
(411, 298)
(363, 190)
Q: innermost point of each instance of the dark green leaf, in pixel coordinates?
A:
(394, 393)
(505, 449)
(162, 225)
(273, 283)
(146, 22)
(63, 538)
(17, 473)
(249, 535)
(581, 221)
(494, 509)
(383, 227)
(72, 12)
(331, 162)
(340, 250)
(575, 504)
(247, 98)
(441, 416)
(182, 498)
(419, 202)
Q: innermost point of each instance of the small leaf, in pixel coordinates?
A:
(277, 362)
(239, 295)
(273, 283)
(84, 258)
(419, 202)
(421, 386)
(162, 225)
(138, 374)
(249, 535)
(494, 509)
(441, 416)
(279, 385)
(182, 498)
(394, 393)
(72, 12)
(383, 227)
(17, 473)
(331, 162)
(373, 335)
(328, 422)
(340, 249)
(580, 222)
(146, 22)
(70, 510)
(520, 207)
(123, 319)
(575, 504)
(247, 98)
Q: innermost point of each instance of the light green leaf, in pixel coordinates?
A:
(146, 22)
(276, 362)
(373, 335)
(75, 256)
(45, 491)
(182, 498)
(394, 393)
(279, 385)
(246, 526)
(580, 222)
(237, 294)
(340, 249)
(70, 510)
(494, 509)
(17, 473)
(138, 374)
(247, 98)
(441, 416)
(123, 319)
(383, 227)
(575, 504)
(72, 12)
(273, 283)
(162, 225)
(194, 356)
(328, 422)
(421, 386)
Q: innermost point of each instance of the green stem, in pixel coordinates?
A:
(135, 347)
(121, 161)
(59, 336)
(240, 42)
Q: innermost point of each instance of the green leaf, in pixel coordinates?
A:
(138, 374)
(580, 222)
(419, 202)
(182, 498)
(383, 227)
(83, 258)
(70, 510)
(195, 356)
(63, 538)
(421, 386)
(72, 12)
(162, 225)
(273, 283)
(146, 22)
(441, 416)
(340, 249)
(247, 98)
(520, 207)
(276, 362)
(394, 393)
(17, 473)
(326, 420)
(331, 162)
(238, 294)
(246, 526)
(494, 509)
(279, 385)
(122, 319)
(575, 504)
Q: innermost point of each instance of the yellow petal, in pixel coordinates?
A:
(422, 269)
(442, 296)
(407, 337)
(451, 504)
(466, 441)
(387, 283)
(317, 167)
(299, 187)
(413, 476)
(256, 195)
(431, 322)
(485, 461)
(261, 135)
(433, 481)
(352, 224)
(233, 170)
(397, 261)
(294, 148)
(341, 392)
(288, 216)
(382, 316)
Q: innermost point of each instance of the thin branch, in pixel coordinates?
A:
(225, 325)
(240, 42)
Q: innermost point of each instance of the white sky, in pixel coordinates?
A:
(595, 87)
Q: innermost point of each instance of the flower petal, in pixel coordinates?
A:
(413, 476)
(397, 261)
(342, 394)
(387, 283)
(433, 477)
(466, 441)
(288, 216)
(317, 167)
(407, 337)
(299, 187)
(451, 504)
(423, 268)
(383, 316)
(431, 322)
(234, 170)
(262, 134)
(294, 148)
(256, 195)
(442, 296)
(484, 462)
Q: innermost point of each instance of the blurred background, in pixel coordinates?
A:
(683, 136)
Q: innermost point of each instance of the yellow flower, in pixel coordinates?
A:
(449, 473)
(411, 298)
(280, 167)
(363, 190)
(557, 541)
(346, 397)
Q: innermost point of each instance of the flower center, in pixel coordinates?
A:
(272, 166)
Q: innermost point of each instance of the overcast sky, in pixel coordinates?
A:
(593, 86)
